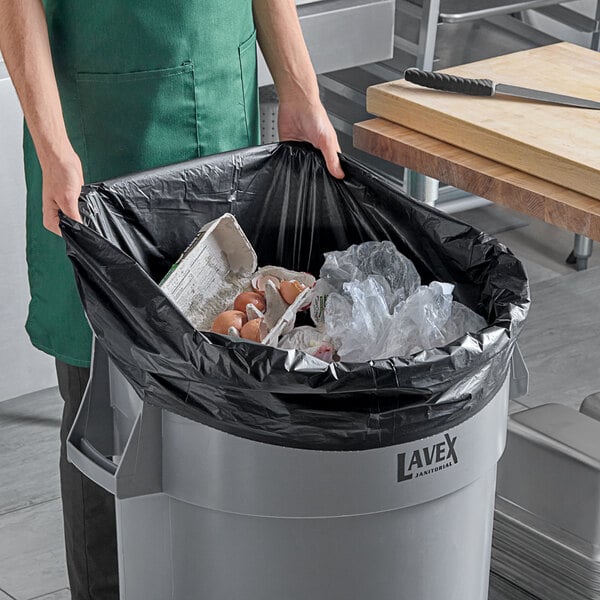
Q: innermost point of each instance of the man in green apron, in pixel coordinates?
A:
(113, 87)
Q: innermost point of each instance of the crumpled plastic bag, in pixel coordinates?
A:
(382, 311)
(462, 320)
(429, 319)
(419, 322)
(358, 319)
(380, 261)
(309, 340)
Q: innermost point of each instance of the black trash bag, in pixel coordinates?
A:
(292, 211)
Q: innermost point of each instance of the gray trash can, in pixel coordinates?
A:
(293, 479)
(208, 515)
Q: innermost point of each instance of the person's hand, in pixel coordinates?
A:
(62, 181)
(303, 121)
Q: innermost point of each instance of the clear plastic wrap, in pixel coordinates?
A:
(380, 310)
(358, 319)
(379, 261)
(418, 322)
(309, 340)
(462, 320)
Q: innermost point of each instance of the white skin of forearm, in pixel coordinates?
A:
(301, 114)
(282, 43)
(26, 50)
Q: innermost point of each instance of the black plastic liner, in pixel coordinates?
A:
(292, 211)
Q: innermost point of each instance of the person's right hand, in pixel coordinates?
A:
(62, 181)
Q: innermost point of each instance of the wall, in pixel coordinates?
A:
(23, 369)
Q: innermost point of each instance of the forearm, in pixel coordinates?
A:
(282, 43)
(26, 50)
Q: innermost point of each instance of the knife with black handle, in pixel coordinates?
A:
(486, 87)
(450, 83)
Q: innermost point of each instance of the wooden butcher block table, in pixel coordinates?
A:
(536, 158)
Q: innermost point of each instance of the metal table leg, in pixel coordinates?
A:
(581, 252)
(421, 188)
(416, 185)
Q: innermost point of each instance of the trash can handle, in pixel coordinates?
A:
(102, 461)
(94, 421)
(90, 443)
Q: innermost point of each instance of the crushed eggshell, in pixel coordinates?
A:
(254, 330)
(259, 283)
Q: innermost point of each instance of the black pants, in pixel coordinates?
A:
(88, 510)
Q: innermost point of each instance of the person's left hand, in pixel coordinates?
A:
(303, 121)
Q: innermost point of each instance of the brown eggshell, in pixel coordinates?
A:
(242, 301)
(254, 330)
(230, 318)
(290, 290)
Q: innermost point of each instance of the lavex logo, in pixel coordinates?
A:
(428, 460)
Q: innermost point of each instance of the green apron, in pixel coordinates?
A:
(143, 83)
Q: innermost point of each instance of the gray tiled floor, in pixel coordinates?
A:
(559, 343)
(562, 340)
(63, 594)
(31, 548)
(28, 439)
(31, 552)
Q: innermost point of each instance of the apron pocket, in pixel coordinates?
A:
(248, 68)
(137, 121)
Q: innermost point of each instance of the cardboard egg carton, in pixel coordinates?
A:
(220, 264)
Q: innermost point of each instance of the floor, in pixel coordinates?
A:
(31, 554)
(560, 344)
